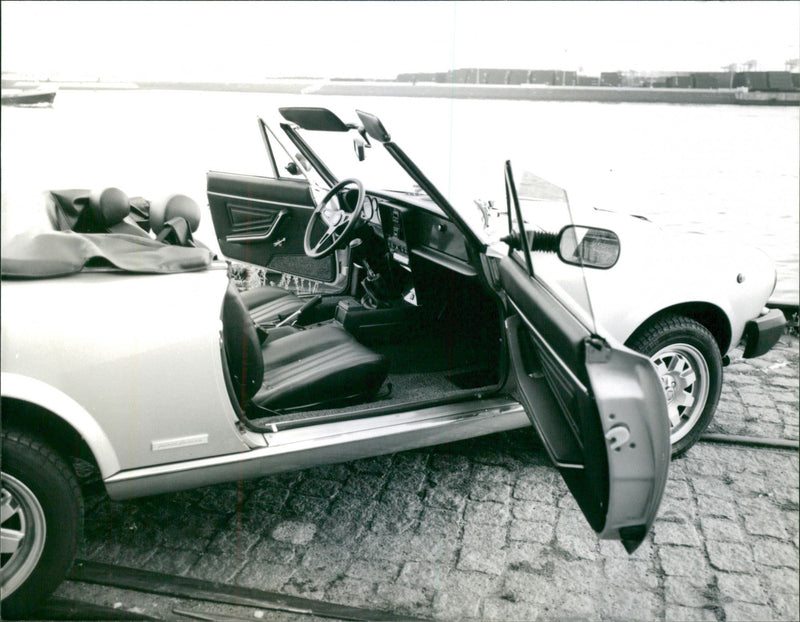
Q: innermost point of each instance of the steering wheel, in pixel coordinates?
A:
(340, 224)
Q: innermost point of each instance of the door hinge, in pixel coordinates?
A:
(597, 349)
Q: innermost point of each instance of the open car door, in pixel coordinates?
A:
(262, 220)
(598, 406)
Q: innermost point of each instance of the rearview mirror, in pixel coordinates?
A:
(374, 127)
(358, 145)
(588, 246)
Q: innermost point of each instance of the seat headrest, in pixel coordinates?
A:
(109, 206)
(174, 206)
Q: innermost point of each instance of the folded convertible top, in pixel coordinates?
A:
(61, 253)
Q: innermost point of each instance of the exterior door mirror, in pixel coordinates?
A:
(588, 246)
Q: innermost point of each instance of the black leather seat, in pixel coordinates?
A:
(268, 305)
(99, 211)
(319, 366)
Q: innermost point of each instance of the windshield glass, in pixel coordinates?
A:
(377, 170)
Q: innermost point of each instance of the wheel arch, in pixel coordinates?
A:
(54, 417)
(705, 313)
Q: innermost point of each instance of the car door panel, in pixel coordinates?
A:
(262, 220)
(598, 409)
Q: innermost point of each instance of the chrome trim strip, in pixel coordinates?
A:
(326, 444)
(255, 200)
(552, 352)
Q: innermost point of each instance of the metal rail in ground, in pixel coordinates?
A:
(198, 589)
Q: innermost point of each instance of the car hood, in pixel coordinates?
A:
(659, 269)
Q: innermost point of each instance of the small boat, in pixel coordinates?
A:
(25, 97)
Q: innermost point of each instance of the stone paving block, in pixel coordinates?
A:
(767, 522)
(294, 532)
(677, 510)
(784, 580)
(529, 587)
(447, 497)
(486, 513)
(786, 607)
(483, 490)
(529, 557)
(741, 612)
(492, 475)
(721, 529)
(746, 588)
(378, 464)
(681, 561)
(482, 550)
(305, 508)
(233, 538)
(318, 487)
(531, 510)
(266, 500)
(530, 531)
(575, 537)
(170, 561)
(625, 604)
(675, 533)
(268, 551)
(712, 506)
(375, 571)
(731, 556)
(362, 486)
(424, 574)
(504, 610)
(631, 573)
(440, 522)
(682, 592)
(347, 590)
(221, 568)
(404, 599)
(270, 577)
(536, 484)
(771, 553)
(690, 614)
(461, 596)
(346, 522)
(325, 563)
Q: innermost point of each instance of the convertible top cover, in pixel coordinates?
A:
(54, 254)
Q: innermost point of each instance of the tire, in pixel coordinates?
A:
(689, 365)
(42, 509)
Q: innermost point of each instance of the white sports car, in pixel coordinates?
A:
(125, 343)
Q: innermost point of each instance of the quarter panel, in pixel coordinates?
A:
(140, 354)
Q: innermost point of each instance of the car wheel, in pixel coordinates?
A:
(689, 365)
(41, 515)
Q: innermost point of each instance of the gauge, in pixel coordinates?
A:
(370, 206)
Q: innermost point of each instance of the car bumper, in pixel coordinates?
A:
(763, 333)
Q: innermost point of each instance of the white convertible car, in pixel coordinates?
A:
(125, 342)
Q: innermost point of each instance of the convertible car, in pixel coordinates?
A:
(386, 319)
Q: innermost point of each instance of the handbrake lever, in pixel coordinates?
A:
(291, 319)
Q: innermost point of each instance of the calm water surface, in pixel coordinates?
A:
(717, 169)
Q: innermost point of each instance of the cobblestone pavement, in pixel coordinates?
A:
(485, 529)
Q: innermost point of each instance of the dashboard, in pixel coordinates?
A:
(411, 231)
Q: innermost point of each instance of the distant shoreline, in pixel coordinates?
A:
(524, 92)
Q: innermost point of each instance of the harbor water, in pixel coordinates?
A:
(727, 170)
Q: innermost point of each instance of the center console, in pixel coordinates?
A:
(385, 323)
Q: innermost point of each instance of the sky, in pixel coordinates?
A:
(235, 41)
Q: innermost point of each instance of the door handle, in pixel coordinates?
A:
(259, 237)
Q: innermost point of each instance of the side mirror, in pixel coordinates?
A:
(588, 246)
(292, 169)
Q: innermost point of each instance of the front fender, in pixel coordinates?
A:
(27, 389)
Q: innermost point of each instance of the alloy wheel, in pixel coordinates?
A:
(22, 533)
